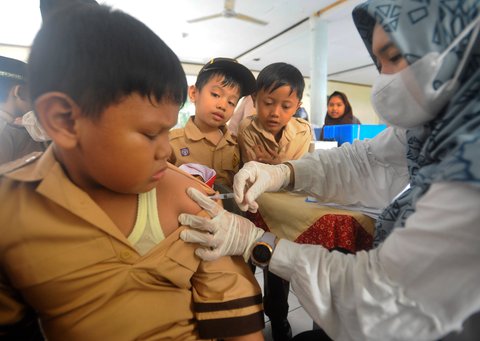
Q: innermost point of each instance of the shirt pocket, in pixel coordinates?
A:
(181, 264)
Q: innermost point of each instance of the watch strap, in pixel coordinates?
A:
(268, 238)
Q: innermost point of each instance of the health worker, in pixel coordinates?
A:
(421, 281)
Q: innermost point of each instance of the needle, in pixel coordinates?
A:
(222, 196)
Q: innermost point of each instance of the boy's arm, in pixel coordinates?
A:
(227, 300)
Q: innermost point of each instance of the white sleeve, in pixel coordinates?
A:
(420, 284)
(367, 173)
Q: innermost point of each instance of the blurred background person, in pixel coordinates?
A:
(15, 140)
(339, 111)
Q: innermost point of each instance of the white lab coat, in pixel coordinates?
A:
(420, 284)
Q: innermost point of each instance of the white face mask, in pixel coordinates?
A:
(407, 99)
(34, 129)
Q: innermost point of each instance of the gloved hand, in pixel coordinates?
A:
(255, 178)
(226, 234)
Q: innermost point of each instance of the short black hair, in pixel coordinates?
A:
(233, 74)
(49, 6)
(277, 75)
(97, 56)
(229, 80)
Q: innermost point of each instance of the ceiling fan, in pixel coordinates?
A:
(229, 12)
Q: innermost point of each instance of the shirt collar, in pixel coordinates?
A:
(40, 165)
(57, 187)
(191, 130)
(193, 133)
(288, 132)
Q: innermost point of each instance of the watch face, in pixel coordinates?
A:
(261, 253)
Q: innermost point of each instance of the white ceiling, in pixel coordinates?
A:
(286, 37)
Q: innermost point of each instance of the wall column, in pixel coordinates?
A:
(318, 69)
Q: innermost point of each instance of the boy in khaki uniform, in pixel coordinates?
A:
(90, 235)
(205, 139)
(273, 135)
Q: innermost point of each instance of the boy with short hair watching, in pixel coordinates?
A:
(90, 235)
(273, 135)
(205, 138)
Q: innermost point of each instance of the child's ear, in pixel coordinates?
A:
(58, 114)
(254, 99)
(21, 92)
(299, 105)
(192, 93)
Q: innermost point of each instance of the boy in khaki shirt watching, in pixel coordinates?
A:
(90, 241)
(273, 135)
(205, 139)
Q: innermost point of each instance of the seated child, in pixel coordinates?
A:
(205, 139)
(90, 238)
(273, 135)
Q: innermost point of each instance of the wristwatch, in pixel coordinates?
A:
(262, 250)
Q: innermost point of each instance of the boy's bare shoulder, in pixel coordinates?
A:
(174, 186)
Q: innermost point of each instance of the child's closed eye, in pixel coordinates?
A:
(151, 136)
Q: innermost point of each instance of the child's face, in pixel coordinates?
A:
(336, 107)
(214, 104)
(125, 151)
(275, 109)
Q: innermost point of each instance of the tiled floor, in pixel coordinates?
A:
(298, 318)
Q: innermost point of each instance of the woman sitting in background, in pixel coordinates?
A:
(339, 111)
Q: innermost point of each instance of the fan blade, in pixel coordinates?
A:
(213, 16)
(229, 5)
(250, 19)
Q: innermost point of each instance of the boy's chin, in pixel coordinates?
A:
(217, 124)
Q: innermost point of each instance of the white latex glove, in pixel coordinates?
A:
(226, 234)
(255, 178)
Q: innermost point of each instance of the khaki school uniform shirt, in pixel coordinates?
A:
(63, 256)
(189, 144)
(294, 142)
